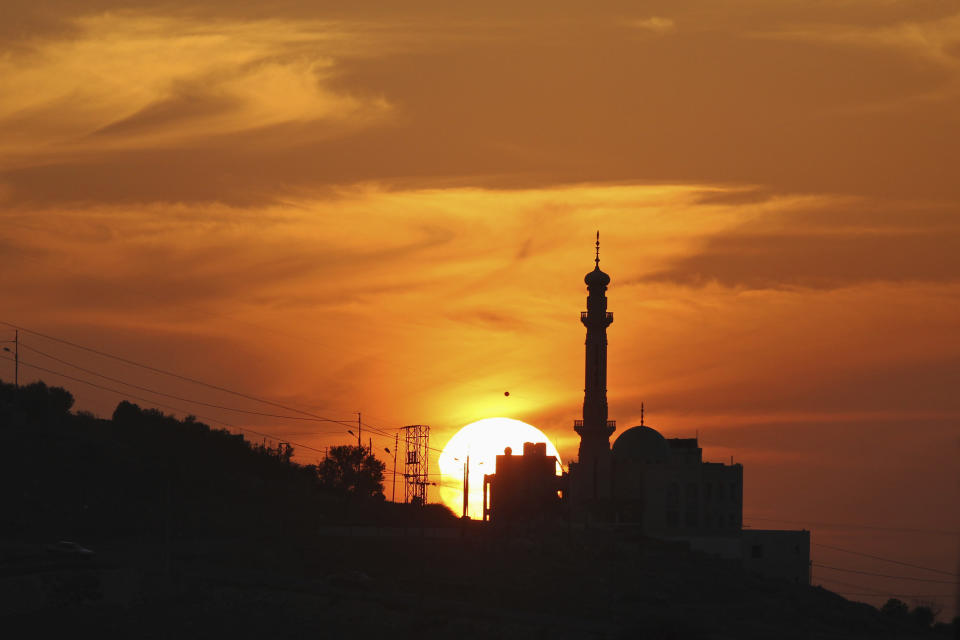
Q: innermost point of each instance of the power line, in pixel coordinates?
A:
(867, 555)
(383, 431)
(161, 393)
(858, 526)
(866, 591)
(168, 406)
(175, 375)
(124, 393)
(883, 575)
(848, 584)
(247, 396)
(377, 430)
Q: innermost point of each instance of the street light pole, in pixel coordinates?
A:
(396, 445)
(466, 487)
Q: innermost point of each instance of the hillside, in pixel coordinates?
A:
(198, 533)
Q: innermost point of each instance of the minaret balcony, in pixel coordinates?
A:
(584, 315)
(611, 424)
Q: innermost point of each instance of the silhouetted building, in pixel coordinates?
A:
(661, 486)
(664, 486)
(589, 488)
(658, 486)
(523, 487)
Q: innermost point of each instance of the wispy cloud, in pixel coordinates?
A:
(934, 39)
(127, 81)
(655, 24)
(834, 245)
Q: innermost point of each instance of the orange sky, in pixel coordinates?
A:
(348, 206)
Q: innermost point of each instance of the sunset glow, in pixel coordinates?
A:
(389, 208)
(483, 441)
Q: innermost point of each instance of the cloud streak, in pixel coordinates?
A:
(133, 81)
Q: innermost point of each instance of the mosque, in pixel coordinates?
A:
(659, 486)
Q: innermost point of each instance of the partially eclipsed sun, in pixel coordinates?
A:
(482, 441)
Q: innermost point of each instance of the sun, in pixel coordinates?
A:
(482, 441)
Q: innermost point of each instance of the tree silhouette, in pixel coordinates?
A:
(895, 608)
(40, 400)
(353, 471)
(924, 615)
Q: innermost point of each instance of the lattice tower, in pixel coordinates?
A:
(416, 472)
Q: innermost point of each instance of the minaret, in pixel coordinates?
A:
(595, 430)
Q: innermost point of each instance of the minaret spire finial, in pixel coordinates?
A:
(641, 414)
(597, 260)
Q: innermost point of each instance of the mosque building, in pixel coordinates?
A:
(663, 485)
(659, 486)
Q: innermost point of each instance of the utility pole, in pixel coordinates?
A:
(359, 431)
(396, 445)
(466, 487)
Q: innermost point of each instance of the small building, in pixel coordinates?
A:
(784, 555)
(524, 487)
(780, 554)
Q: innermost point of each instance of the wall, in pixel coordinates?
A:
(783, 554)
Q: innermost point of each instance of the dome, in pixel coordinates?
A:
(642, 444)
(596, 278)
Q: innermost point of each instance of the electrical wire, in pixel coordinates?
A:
(161, 393)
(883, 575)
(126, 394)
(867, 555)
(381, 431)
(174, 375)
(856, 526)
(119, 392)
(152, 401)
(848, 585)
(175, 397)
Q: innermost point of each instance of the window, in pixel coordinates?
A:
(756, 551)
(692, 516)
(708, 491)
(692, 491)
(733, 491)
(672, 519)
(673, 494)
